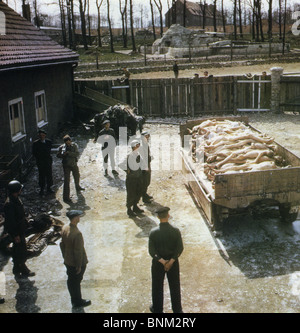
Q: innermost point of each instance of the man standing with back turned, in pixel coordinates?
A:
(165, 246)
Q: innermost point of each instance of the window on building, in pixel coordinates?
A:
(40, 108)
(16, 119)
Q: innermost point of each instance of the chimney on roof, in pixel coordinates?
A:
(26, 11)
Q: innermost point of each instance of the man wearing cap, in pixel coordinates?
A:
(41, 150)
(15, 225)
(146, 166)
(134, 180)
(165, 246)
(75, 258)
(69, 154)
(108, 140)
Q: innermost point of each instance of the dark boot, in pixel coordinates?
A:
(130, 213)
(137, 210)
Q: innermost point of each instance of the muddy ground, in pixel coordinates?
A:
(253, 267)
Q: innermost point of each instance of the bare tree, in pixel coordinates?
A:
(284, 28)
(82, 10)
(123, 11)
(215, 14)
(184, 13)
(73, 24)
(132, 26)
(234, 19)
(110, 27)
(70, 24)
(63, 21)
(280, 17)
(240, 19)
(270, 19)
(223, 17)
(99, 4)
(152, 19)
(160, 8)
(89, 21)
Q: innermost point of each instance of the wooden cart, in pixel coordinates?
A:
(236, 192)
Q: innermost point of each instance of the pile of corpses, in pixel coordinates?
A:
(41, 231)
(120, 116)
(227, 146)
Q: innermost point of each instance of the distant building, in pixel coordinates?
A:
(193, 14)
(36, 84)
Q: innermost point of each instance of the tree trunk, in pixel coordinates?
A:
(223, 17)
(152, 18)
(240, 19)
(215, 15)
(82, 8)
(234, 19)
(160, 8)
(99, 4)
(270, 20)
(132, 27)
(73, 25)
(280, 18)
(123, 17)
(110, 29)
(63, 21)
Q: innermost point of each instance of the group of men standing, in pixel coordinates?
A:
(165, 243)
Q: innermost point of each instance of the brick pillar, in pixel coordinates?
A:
(276, 73)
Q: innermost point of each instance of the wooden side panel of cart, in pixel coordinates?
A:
(235, 191)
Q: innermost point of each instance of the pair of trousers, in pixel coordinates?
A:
(111, 155)
(67, 176)
(146, 181)
(45, 174)
(73, 283)
(134, 187)
(19, 256)
(158, 274)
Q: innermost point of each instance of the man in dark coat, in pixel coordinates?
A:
(41, 150)
(165, 246)
(107, 138)
(69, 154)
(75, 258)
(15, 225)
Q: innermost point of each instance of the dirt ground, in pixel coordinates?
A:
(253, 267)
(235, 68)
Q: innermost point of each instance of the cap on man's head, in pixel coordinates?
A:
(162, 211)
(42, 131)
(144, 133)
(73, 213)
(106, 122)
(134, 143)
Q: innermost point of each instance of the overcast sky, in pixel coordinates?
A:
(51, 6)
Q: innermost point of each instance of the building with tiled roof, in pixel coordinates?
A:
(36, 84)
(195, 14)
(24, 45)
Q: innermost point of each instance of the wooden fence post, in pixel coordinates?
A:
(276, 73)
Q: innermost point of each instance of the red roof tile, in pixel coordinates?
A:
(25, 45)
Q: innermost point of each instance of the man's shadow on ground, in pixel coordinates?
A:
(26, 296)
(144, 222)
